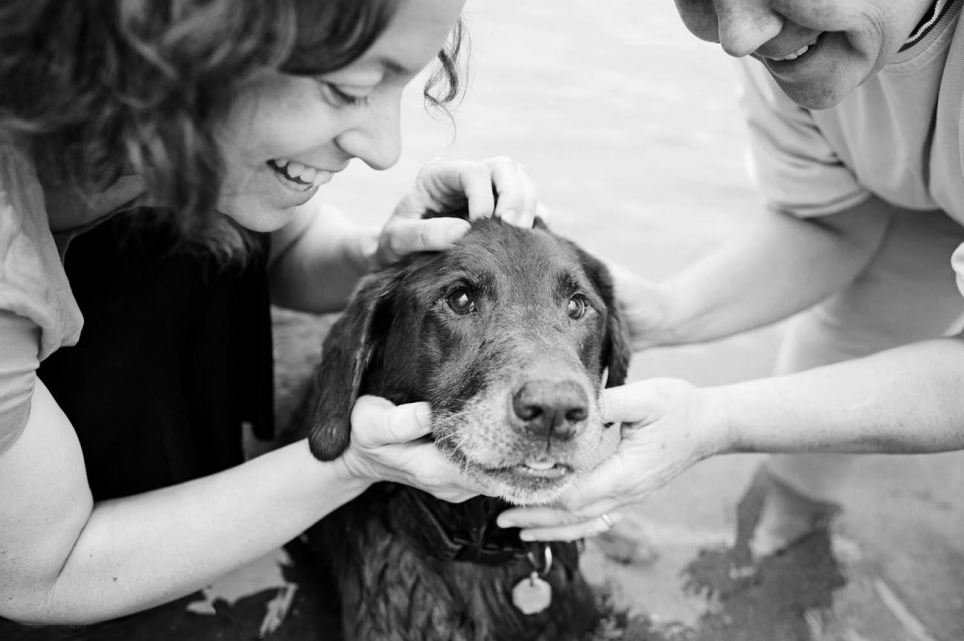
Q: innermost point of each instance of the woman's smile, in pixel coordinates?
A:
(299, 176)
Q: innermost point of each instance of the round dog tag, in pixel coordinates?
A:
(531, 595)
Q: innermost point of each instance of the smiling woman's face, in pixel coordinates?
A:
(818, 51)
(287, 135)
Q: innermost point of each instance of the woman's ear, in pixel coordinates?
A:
(346, 355)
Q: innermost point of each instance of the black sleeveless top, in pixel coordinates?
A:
(174, 357)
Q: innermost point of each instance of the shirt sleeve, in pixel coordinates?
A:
(19, 361)
(957, 262)
(790, 160)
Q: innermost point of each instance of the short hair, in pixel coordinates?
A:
(101, 88)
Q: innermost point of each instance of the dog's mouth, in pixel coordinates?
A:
(530, 472)
(542, 469)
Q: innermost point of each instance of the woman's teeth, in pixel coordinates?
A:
(796, 54)
(295, 172)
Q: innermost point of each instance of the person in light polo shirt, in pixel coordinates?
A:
(854, 117)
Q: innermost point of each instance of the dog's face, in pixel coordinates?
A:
(508, 336)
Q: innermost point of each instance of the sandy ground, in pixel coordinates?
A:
(631, 131)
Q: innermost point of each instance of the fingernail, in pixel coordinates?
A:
(525, 536)
(456, 230)
(423, 414)
(504, 523)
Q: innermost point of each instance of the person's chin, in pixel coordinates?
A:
(256, 215)
(267, 203)
(816, 97)
(829, 71)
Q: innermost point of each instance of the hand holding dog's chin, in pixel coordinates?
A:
(389, 443)
(494, 187)
(668, 425)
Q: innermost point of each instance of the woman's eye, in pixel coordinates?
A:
(577, 307)
(340, 97)
(461, 302)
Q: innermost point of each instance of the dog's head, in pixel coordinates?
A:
(509, 336)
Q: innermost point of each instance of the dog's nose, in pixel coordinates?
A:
(555, 409)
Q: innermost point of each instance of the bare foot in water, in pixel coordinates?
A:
(774, 515)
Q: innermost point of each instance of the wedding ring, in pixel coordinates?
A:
(608, 521)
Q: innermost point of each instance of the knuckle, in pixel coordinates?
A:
(500, 160)
(423, 237)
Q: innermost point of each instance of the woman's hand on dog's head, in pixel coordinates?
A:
(494, 187)
(390, 443)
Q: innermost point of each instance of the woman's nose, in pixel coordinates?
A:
(375, 138)
(745, 25)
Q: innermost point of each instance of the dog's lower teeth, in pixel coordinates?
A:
(541, 467)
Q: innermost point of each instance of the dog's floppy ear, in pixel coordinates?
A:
(346, 355)
(616, 352)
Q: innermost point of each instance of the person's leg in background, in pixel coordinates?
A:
(907, 293)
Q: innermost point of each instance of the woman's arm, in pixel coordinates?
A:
(781, 266)
(67, 560)
(318, 258)
(64, 559)
(906, 400)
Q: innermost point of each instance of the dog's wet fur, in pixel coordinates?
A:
(509, 336)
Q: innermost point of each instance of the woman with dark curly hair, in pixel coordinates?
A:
(211, 125)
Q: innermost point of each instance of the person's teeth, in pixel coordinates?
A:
(796, 54)
(295, 169)
(304, 175)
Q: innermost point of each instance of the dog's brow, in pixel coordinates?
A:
(464, 277)
(567, 284)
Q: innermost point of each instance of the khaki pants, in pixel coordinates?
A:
(907, 293)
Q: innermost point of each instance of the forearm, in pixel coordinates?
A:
(905, 400)
(318, 261)
(779, 268)
(141, 551)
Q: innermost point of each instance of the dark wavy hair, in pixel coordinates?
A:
(102, 88)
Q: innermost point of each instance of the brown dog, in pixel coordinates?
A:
(509, 336)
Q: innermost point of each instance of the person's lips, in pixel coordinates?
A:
(793, 54)
(300, 176)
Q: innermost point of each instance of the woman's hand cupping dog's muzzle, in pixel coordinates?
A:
(668, 425)
(494, 187)
(389, 443)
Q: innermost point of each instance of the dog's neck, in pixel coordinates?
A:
(464, 531)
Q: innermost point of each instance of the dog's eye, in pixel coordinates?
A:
(578, 305)
(461, 302)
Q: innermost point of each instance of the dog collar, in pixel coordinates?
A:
(476, 539)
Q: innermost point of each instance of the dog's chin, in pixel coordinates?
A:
(522, 485)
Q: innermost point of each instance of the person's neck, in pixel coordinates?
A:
(70, 208)
(924, 15)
